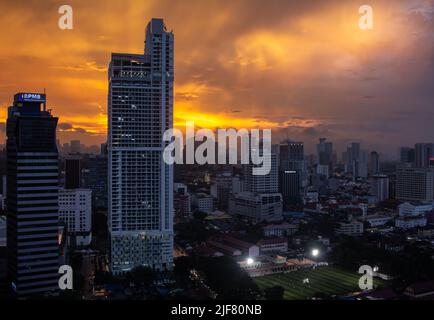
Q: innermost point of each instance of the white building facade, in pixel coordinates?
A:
(75, 211)
(140, 182)
(257, 207)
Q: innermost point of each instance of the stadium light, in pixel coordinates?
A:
(315, 252)
(250, 261)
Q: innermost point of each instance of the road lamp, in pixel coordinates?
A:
(315, 252)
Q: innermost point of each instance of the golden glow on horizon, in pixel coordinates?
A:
(233, 79)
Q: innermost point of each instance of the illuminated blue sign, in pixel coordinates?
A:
(30, 97)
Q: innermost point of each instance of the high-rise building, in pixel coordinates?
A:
(103, 149)
(95, 179)
(140, 182)
(291, 155)
(181, 200)
(374, 163)
(325, 153)
(72, 173)
(414, 184)
(32, 197)
(379, 185)
(222, 189)
(75, 211)
(406, 155)
(268, 183)
(356, 161)
(422, 153)
(290, 186)
(355, 151)
(291, 171)
(75, 146)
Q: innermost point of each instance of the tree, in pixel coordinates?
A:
(183, 265)
(141, 275)
(227, 279)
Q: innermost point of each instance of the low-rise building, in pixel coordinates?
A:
(411, 222)
(377, 220)
(273, 245)
(203, 202)
(279, 230)
(352, 228)
(414, 208)
(257, 207)
(420, 290)
(235, 247)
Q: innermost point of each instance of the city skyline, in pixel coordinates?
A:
(203, 152)
(307, 72)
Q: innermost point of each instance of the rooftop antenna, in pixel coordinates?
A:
(45, 102)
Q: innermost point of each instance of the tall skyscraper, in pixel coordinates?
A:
(355, 151)
(75, 146)
(291, 171)
(72, 173)
(95, 179)
(325, 152)
(32, 196)
(422, 153)
(379, 187)
(374, 163)
(406, 155)
(268, 183)
(140, 183)
(356, 161)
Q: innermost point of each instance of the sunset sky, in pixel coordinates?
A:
(302, 68)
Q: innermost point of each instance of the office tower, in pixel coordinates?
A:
(95, 179)
(325, 153)
(406, 155)
(75, 211)
(3, 225)
(203, 202)
(103, 149)
(32, 196)
(291, 154)
(422, 153)
(414, 184)
(222, 189)
(72, 173)
(355, 151)
(291, 171)
(140, 183)
(290, 186)
(182, 205)
(181, 200)
(379, 186)
(75, 146)
(374, 163)
(268, 183)
(356, 162)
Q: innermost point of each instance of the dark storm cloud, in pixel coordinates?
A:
(300, 67)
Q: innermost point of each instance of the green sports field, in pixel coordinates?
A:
(328, 280)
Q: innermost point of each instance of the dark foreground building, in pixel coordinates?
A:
(32, 197)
